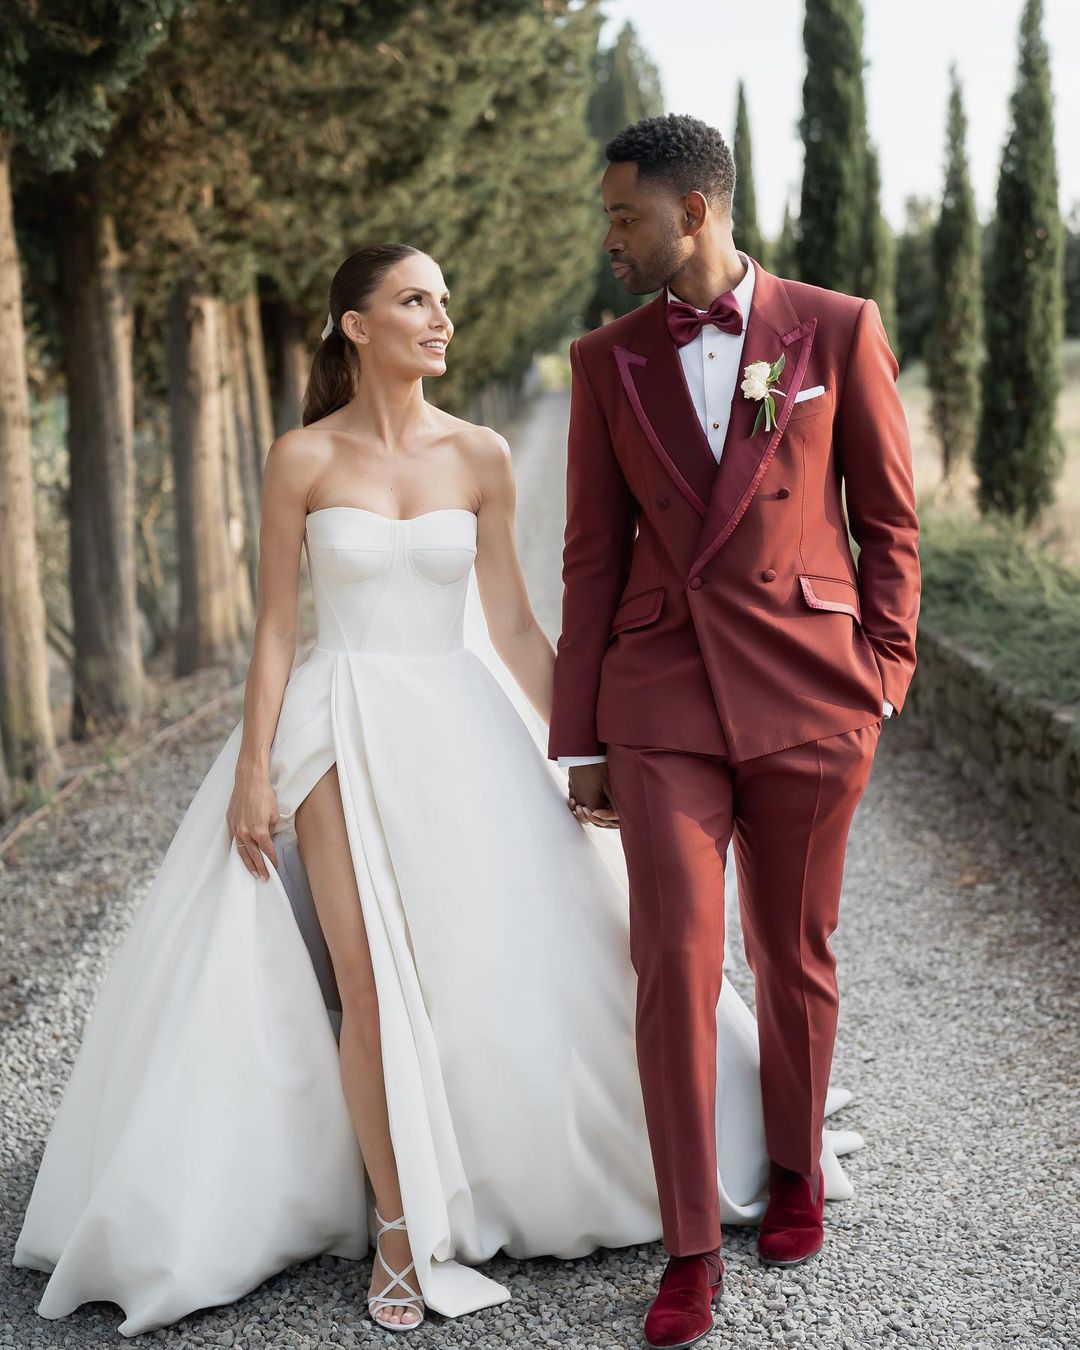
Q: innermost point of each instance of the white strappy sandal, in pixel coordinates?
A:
(376, 1302)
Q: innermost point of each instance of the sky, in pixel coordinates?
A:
(703, 47)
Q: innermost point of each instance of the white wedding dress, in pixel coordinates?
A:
(203, 1142)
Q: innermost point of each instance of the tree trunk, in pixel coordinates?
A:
(294, 366)
(239, 390)
(208, 629)
(240, 490)
(262, 411)
(97, 332)
(27, 718)
(151, 576)
(7, 793)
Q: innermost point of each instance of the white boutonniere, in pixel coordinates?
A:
(759, 380)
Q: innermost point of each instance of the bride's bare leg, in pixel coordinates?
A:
(324, 849)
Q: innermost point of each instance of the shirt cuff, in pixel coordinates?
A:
(887, 708)
(569, 761)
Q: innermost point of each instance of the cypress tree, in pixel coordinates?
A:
(496, 177)
(627, 89)
(915, 268)
(1019, 452)
(627, 86)
(785, 262)
(190, 248)
(954, 345)
(521, 259)
(95, 331)
(833, 128)
(745, 228)
(275, 171)
(1072, 273)
(877, 274)
(60, 70)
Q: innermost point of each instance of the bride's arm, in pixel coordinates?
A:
(515, 632)
(252, 812)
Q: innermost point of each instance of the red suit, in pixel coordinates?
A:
(723, 647)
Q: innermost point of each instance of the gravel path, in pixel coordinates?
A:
(957, 948)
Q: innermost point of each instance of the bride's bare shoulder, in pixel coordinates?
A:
(298, 456)
(489, 463)
(303, 444)
(483, 446)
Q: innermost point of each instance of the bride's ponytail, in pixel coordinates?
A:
(335, 374)
(335, 371)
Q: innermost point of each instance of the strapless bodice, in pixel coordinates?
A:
(388, 586)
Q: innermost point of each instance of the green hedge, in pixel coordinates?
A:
(999, 591)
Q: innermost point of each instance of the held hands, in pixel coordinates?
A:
(590, 797)
(251, 818)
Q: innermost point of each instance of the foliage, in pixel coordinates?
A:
(1019, 453)
(877, 271)
(1072, 273)
(785, 262)
(627, 89)
(996, 590)
(627, 86)
(915, 268)
(745, 227)
(60, 68)
(466, 138)
(954, 348)
(833, 128)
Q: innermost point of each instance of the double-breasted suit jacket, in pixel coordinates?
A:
(722, 609)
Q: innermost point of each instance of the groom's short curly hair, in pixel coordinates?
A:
(689, 155)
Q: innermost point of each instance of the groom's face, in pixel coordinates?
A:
(644, 242)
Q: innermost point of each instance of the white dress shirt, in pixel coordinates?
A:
(710, 363)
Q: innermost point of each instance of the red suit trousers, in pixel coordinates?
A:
(788, 813)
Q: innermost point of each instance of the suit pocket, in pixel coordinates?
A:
(835, 594)
(636, 611)
(811, 407)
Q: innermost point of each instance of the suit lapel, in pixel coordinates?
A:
(655, 384)
(772, 327)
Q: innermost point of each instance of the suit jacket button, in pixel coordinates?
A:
(768, 575)
(783, 492)
(662, 503)
(695, 583)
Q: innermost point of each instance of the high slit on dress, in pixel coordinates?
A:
(203, 1142)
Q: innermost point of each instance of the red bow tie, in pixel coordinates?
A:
(685, 323)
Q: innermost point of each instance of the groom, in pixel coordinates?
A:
(725, 663)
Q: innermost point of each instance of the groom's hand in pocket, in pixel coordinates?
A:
(591, 798)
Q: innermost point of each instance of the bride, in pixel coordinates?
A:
(380, 986)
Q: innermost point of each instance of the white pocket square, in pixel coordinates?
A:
(809, 393)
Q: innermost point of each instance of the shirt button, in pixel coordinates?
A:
(662, 503)
(783, 492)
(712, 356)
(768, 575)
(716, 426)
(695, 583)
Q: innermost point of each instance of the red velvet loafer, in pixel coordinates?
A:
(792, 1230)
(682, 1313)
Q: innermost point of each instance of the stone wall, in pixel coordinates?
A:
(1022, 752)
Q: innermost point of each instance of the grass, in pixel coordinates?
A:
(1058, 533)
(1011, 594)
(996, 590)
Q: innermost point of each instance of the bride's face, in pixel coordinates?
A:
(405, 327)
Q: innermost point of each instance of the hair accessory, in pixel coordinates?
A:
(329, 327)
